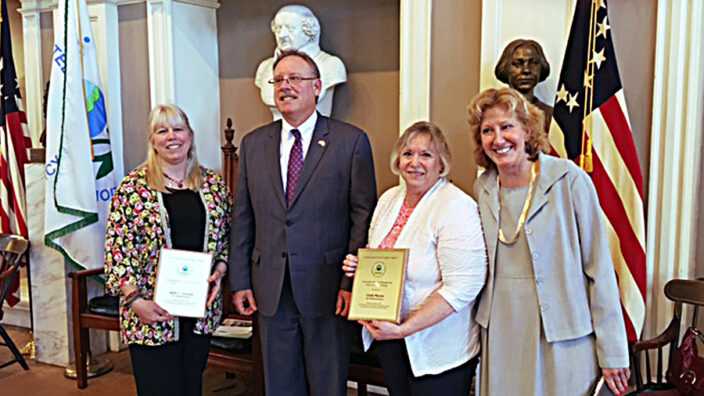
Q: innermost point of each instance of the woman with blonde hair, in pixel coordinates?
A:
(169, 201)
(550, 312)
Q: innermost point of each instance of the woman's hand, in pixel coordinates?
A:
(349, 265)
(149, 312)
(215, 281)
(617, 379)
(382, 330)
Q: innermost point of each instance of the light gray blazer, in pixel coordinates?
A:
(574, 274)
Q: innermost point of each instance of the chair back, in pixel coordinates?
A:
(680, 291)
(684, 291)
(12, 247)
(230, 165)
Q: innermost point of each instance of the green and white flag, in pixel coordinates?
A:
(79, 166)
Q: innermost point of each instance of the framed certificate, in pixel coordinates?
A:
(378, 285)
(182, 282)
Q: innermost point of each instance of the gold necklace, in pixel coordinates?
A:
(534, 174)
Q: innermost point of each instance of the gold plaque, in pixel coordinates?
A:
(378, 285)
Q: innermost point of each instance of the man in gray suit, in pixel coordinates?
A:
(305, 195)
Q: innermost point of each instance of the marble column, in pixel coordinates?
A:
(51, 288)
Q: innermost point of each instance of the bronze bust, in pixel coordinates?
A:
(522, 66)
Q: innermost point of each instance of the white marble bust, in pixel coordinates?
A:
(296, 27)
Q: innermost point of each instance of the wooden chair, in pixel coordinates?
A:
(244, 363)
(248, 364)
(681, 291)
(84, 319)
(12, 247)
(364, 368)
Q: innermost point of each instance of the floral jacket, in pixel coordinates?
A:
(137, 229)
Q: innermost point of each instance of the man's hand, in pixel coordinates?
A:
(343, 303)
(244, 302)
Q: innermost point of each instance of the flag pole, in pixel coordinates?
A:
(30, 348)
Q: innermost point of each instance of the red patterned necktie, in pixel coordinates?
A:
(295, 165)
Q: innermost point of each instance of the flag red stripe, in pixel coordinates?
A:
(631, 335)
(19, 217)
(613, 208)
(554, 152)
(9, 182)
(10, 297)
(621, 133)
(17, 139)
(4, 218)
(22, 116)
(4, 191)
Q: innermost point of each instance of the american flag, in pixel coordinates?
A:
(591, 126)
(14, 142)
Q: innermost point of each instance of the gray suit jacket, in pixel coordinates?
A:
(572, 265)
(328, 218)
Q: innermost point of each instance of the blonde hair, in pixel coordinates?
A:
(437, 139)
(529, 115)
(170, 115)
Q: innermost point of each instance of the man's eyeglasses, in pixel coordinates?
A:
(291, 80)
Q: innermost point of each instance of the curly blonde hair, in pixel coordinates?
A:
(529, 115)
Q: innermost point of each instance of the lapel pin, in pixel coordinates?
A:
(321, 142)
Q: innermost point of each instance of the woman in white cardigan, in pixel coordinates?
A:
(435, 347)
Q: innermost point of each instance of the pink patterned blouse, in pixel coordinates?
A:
(390, 239)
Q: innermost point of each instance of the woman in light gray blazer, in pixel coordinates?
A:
(550, 312)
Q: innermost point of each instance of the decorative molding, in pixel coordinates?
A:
(101, 2)
(195, 47)
(214, 4)
(675, 158)
(36, 6)
(161, 51)
(127, 2)
(187, 31)
(490, 43)
(414, 65)
(34, 80)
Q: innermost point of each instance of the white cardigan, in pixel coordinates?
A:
(446, 253)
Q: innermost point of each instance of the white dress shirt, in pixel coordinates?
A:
(287, 140)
